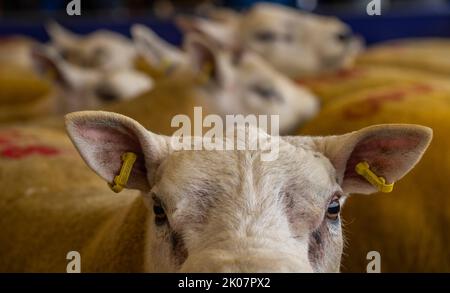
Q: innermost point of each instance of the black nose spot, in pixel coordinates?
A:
(344, 36)
(105, 94)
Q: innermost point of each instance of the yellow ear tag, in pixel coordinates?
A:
(121, 180)
(362, 169)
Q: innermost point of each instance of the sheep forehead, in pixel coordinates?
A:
(277, 17)
(252, 134)
(297, 22)
(274, 11)
(298, 170)
(272, 23)
(241, 136)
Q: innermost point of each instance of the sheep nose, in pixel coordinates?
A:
(344, 36)
(250, 261)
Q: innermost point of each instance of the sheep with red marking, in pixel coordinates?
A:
(197, 211)
(408, 227)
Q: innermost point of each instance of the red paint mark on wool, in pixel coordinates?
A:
(18, 152)
(9, 147)
(336, 77)
(373, 103)
(4, 140)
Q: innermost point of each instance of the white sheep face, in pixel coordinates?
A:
(298, 43)
(83, 88)
(234, 82)
(243, 83)
(231, 211)
(100, 50)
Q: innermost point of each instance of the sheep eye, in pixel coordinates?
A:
(160, 214)
(266, 92)
(333, 209)
(65, 54)
(99, 52)
(344, 36)
(265, 36)
(158, 210)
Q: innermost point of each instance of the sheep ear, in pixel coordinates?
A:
(156, 51)
(102, 138)
(203, 57)
(390, 150)
(220, 33)
(225, 16)
(60, 36)
(47, 60)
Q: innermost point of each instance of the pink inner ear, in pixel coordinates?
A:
(43, 64)
(104, 134)
(383, 153)
(103, 146)
(204, 57)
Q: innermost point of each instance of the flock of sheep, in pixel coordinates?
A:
(340, 106)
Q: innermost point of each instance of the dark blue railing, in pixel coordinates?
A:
(372, 28)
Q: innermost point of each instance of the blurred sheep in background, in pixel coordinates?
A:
(307, 66)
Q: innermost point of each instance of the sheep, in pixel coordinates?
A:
(157, 57)
(222, 82)
(24, 95)
(428, 54)
(194, 211)
(93, 69)
(47, 194)
(15, 51)
(83, 88)
(100, 50)
(409, 227)
(296, 43)
(25, 73)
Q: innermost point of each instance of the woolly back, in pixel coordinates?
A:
(23, 94)
(52, 203)
(332, 86)
(430, 54)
